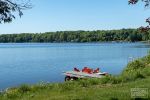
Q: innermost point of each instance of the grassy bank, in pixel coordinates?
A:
(135, 75)
(76, 91)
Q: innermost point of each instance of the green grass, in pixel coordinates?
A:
(135, 75)
(76, 91)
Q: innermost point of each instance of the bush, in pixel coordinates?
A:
(135, 65)
(138, 75)
(24, 88)
(146, 71)
(132, 75)
(12, 93)
(137, 69)
(146, 60)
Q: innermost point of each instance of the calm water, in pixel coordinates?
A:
(32, 63)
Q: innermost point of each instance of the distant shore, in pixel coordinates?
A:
(122, 35)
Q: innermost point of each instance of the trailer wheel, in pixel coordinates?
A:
(67, 78)
(75, 78)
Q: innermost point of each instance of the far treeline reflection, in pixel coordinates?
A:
(131, 35)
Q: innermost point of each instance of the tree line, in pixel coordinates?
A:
(131, 35)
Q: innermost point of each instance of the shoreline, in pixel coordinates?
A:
(136, 73)
(74, 42)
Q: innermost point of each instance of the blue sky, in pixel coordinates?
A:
(65, 15)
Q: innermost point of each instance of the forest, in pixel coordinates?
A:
(130, 35)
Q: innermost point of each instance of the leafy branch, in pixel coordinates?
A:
(146, 4)
(9, 7)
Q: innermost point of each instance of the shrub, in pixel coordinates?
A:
(138, 75)
(146, 71)
(135, 65)
(24, 88)
(137, 69)
(132, 75)
(12, 93)
(146, 60)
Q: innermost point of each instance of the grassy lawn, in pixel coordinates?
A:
(93, 92)
(77, 91)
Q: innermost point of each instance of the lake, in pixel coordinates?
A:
(35, 62)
